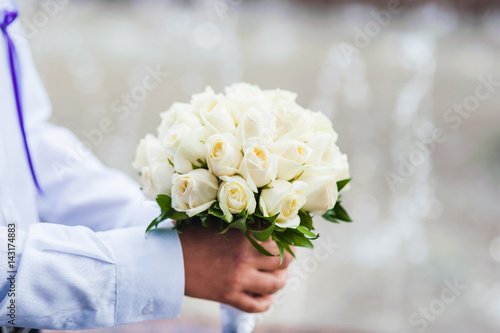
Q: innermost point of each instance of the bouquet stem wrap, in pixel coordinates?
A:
(236, 321)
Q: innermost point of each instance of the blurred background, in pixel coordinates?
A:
(413, 89)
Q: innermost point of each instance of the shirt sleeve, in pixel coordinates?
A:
(74, 278)
(78, 189)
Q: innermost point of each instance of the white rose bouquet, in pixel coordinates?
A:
(248, 159)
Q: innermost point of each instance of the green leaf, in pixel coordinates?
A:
(265, 187)
(165, 202)
(239, 221)
(205, 221)
(341, 213)
(330, 216)
(336, 214)
(239, 224)
(272, 219)
(184, 223)
(302, 242)
(298, 176)
(200, 165)
(307, 232)
(225, 230)
(342, 183)
(279, 229)
(194, 166)
(153, 223)
(288, 249)
(263, 235)
(243, 213)
(175, 215)
(156, 221)
(296, 238)
(259, 247)
(216, 211)
(282, 252)
(305, 219)
(203, 164)
(284, 243)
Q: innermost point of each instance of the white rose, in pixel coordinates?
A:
(179, 113)
(199, 100)
(148, 187)
(161, 174)
(223, 154)
(321, 190)
(290, 117)
(326, 153)
(191, 151)
(140, 159)
(173, 137)
(290, 120)
(245, 96)
(194, 192)
(218, 116)
(318, 123)
(321, 123)
(150, 151)
(257, 123)
(215, 112)
(291, 156)
(282, 198)
(276, 96)
(234, 196)
(321, 144)
(341, 169)
(153, 161)
(258, 165)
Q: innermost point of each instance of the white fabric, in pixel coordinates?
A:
(236, 321)
(82, 258)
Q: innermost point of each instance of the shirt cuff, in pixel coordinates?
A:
(149, 274)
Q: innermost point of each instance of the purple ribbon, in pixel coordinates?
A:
(7, 16)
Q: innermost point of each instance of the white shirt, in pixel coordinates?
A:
(82, 260)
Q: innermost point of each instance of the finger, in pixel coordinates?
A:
(266, 263)
(264, 283)
(287, 259)
(269, 245)
(252, 304)
(281, 274)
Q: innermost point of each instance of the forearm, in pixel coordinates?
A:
(73, 278)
